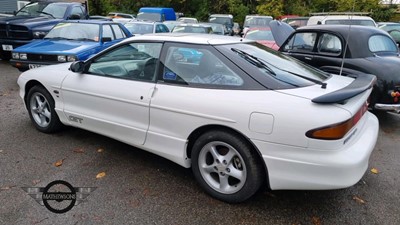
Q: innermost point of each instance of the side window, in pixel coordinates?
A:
(117, 31)
(107, 32)
(301, 42)
(164, 28)
(381, 43)
(77, 10)
(197, 66)
(158, 28)
(133, 61)
(329, 44)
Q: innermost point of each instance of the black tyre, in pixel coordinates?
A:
(40, 105)
(226, 166)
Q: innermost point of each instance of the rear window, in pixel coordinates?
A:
(381, 43)
(272, 64)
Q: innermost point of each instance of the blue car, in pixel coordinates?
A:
(69, 41)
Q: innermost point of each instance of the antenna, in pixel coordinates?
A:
(347, 40)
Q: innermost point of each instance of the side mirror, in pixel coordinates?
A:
(14, 12)
(74, 17)
(77, 67)
(106, 39)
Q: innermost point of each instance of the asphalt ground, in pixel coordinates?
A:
(141, 188)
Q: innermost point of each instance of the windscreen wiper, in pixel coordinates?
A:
(260, 64)
(323, 84)
(254, 60)
(46, 13)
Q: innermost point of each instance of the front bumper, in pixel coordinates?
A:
(388, 107)
(24, 65)
(295, 168)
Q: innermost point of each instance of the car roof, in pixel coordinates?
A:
(190, 38)
(344, 29)
(142, 22)
(221, 15)
(357, 38)
(90, 21)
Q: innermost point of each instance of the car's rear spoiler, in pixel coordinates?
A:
(360, 84)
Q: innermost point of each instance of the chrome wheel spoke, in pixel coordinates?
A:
(46, 113)
(209, 168)
(238, 174)
(223, 183)
(215, 154)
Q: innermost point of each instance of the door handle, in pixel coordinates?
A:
(308, 58)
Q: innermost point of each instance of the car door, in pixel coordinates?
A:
(112, 95)
(301, 46)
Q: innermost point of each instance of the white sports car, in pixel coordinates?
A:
(241, 115)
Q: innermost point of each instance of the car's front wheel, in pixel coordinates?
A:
(40, 105)
(226, 166)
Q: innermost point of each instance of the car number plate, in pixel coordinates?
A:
(33, 66)
(7, 47)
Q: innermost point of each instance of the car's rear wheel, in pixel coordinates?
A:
(226, 166)
(41, 106)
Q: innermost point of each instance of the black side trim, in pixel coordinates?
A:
(360, 84)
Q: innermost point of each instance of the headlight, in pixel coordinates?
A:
(61, 58)
(15, 55)
(23, 56)
(71, 58)
(39, 34)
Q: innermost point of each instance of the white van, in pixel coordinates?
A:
(342, 19)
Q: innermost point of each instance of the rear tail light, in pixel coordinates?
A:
(338, 130)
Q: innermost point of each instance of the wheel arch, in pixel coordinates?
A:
(203, 129)
(30, 84)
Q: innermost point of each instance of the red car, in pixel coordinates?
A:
(262, 35)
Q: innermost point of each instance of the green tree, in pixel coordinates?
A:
(272, 8)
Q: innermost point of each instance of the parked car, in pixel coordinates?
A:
(262, 35)
(349, 51)
(244, 116)
(392, 28)
(255, 21)
(322, 18)
(192, 28)
(146, 27)
(157, 14)
(69, 41)
(34, 21)
(224, 19)
(117, 15)
(217, 28)
(187, 20)
(296, 22)
(171, 24)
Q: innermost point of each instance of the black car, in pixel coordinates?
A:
(350, 51)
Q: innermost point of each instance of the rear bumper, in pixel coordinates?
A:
(388, 107)
(295, 168)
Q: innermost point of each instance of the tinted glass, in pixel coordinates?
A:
(276, 65)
